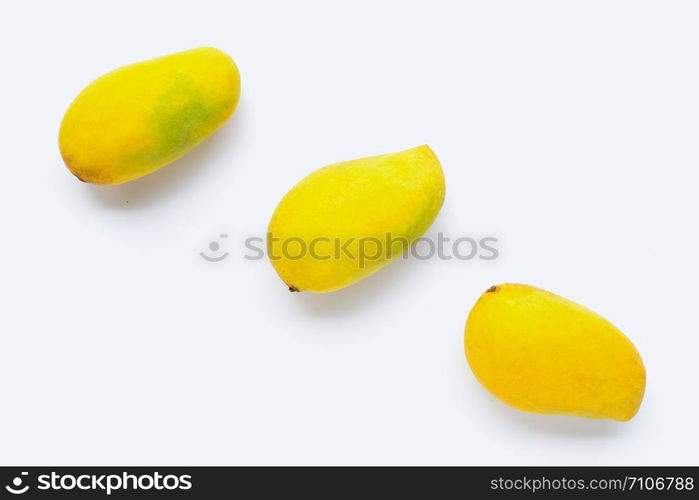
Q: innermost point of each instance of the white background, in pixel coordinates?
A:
(566, 129)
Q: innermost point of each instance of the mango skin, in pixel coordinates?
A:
(141, 117)
(398, 193)
(542, 353)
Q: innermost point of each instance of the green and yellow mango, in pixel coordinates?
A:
(347, 220)
(141, 117)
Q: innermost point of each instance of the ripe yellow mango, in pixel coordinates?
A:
(542, 353)
(138, 118)
(346, 221)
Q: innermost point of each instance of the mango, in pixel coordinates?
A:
(347, 220)
(542, 353)
(139, 118)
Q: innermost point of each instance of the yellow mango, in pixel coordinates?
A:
(141, 117)
(542, 353)
(346, 221)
